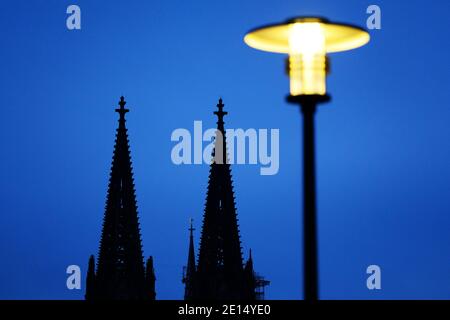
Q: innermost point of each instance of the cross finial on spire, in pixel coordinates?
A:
(191, 227)
(122, 109)
(220, 113)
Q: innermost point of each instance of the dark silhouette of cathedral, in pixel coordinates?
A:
(220, 273)
(120, 272)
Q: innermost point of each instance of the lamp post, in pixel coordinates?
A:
(307, 40)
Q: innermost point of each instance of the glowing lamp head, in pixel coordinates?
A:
(307, 40)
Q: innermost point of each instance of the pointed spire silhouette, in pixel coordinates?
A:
(90, 279)
(191, 260)
(150, 279)
(249, 265)
(220, 271)
(120, 270)
(189, 274)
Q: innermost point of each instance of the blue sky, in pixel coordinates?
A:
(383, 147)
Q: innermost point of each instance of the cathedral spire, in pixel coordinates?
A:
(120, 270)
(249, 266)
(191, 259)
(220, 273)
(189, 272)
(150, 279)
(90, 279)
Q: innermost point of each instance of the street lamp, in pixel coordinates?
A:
(307, 40)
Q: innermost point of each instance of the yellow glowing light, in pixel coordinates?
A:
(307, 41)
(307, 61)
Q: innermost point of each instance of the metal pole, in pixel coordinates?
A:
(309, 203)
(308, 105)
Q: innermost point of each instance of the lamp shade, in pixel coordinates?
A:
(307, 40)
(337, 36)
